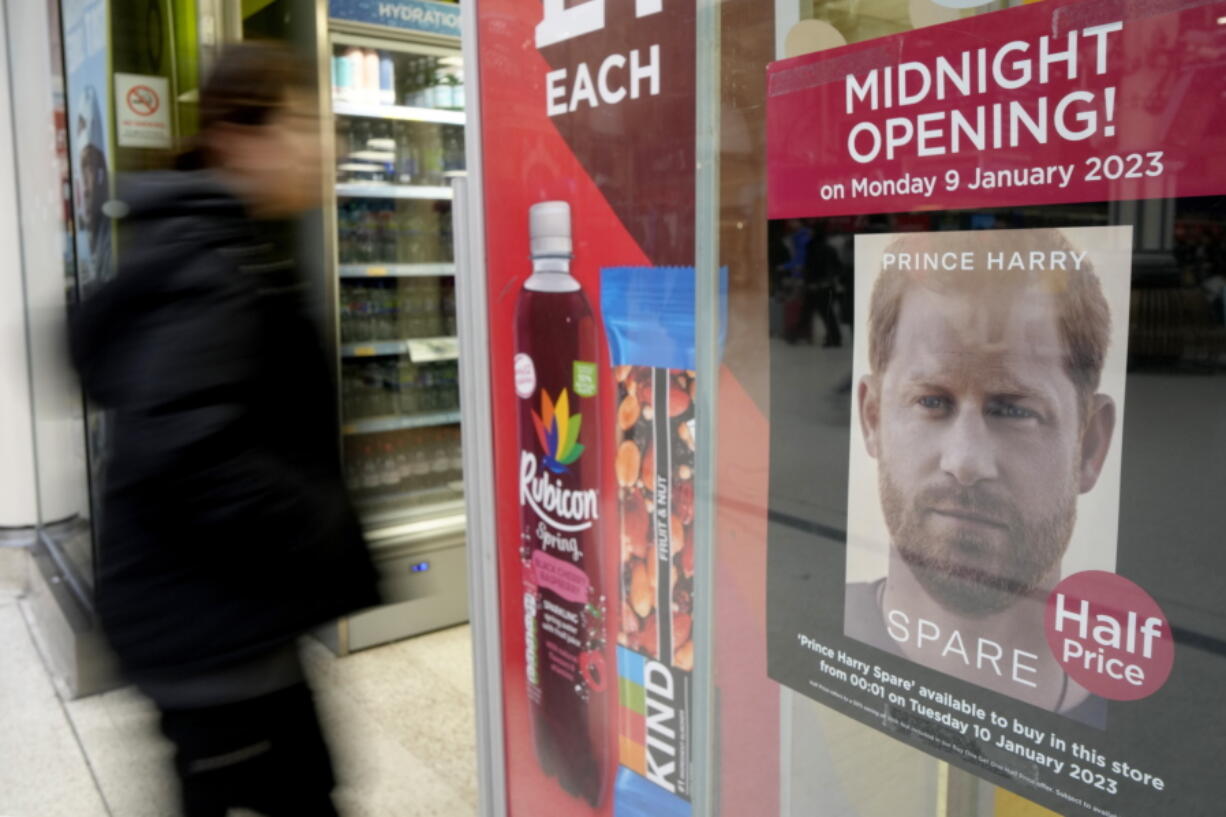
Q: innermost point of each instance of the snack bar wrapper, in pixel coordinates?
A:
(649, 318)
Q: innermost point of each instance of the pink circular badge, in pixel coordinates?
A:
(1109, 635)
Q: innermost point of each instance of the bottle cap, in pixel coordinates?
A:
(549, 228)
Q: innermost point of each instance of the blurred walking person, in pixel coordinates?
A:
(226, 532)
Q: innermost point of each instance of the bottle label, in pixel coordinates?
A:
(525, 376)
(584, 379)
(559, 517)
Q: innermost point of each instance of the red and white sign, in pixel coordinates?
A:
(1045, 103)
(142, 105)
(1110, 635)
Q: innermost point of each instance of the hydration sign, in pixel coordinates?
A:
(413, 15)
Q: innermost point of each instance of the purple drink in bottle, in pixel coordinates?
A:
(557, 343)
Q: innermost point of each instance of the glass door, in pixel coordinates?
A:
(399, 140)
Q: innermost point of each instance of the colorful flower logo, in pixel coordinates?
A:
(558, 432)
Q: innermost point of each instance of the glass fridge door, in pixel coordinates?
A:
(399, 138)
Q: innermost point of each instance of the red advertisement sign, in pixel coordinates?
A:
(588, 145)
(1049, 103)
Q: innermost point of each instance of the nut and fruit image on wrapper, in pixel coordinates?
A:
(649, 319)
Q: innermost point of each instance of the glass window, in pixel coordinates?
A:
(815, 489)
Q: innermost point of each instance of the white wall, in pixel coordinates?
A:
(58, 410)
(17, 492)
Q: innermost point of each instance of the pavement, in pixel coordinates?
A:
(400, 720)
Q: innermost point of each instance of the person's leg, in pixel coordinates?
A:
(298, 778)
(829, 320)
(267, 754)
(207, 747)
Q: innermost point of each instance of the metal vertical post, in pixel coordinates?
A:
(478, 439)
(707, 319)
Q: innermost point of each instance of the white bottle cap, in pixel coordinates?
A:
(549, 228)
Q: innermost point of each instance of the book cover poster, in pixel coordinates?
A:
(984, 466)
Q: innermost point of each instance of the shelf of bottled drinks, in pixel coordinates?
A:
(395, 270)
(399, 139)
(403, 113)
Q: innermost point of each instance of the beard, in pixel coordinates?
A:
(970, 572)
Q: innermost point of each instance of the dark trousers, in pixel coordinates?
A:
(267, 754)
(830, 319)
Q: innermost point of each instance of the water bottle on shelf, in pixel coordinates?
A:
(385, 232)
(404, 463)
(370, 471)
(387, 383)
(457, 456)
(406, 381)
(385, 324)
(350, 73)
(389, 471)
(454, 375)
(421, 465)
(446, 236)
(440, 463)
(453, 148)
(449, 327)
(432, 148)
(370, 77)
(406, 154)
(387, 79)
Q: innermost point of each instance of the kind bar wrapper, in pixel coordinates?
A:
(649, 317)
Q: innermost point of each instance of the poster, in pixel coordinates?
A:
(86, 35)
(588, 137)
(962, 548)
(959, 525)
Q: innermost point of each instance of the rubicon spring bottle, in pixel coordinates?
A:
(557, 344)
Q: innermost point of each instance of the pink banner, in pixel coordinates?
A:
(1092, 100)
(567, 580)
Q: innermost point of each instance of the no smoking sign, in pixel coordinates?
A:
(143, 100)
(142, 115)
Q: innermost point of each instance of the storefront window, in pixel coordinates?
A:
(885, 557)
(898, 519)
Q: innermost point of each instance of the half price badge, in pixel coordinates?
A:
(1109, 635)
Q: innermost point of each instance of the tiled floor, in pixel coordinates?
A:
(400, 720)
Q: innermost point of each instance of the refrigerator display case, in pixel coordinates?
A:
(398, 133)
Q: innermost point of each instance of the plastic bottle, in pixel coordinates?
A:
(389, 472)
(370, 77)
(440, 460)
(387, 79)
(404, 464)
(370, 470)
(557, 353)
(406, 394)
(457, 456)
(406, 173)
(421, 466)
(352, 73)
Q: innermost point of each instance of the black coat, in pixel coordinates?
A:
(225, 529)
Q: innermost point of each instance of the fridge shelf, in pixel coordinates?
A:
(403, 113)
(392, 191)
(396, 270)
(421, 350)
(374, 348)
(374, 425)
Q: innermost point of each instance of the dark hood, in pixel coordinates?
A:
(167, 221)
